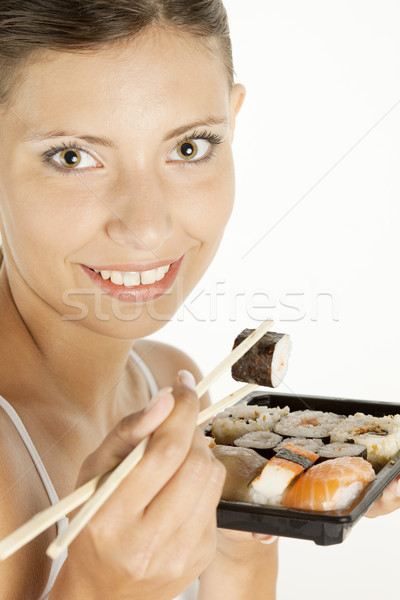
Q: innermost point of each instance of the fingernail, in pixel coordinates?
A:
(187, 379)
(157, 396)
(270, 540)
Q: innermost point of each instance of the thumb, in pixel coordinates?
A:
(126, 435)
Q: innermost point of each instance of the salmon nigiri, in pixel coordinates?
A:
(331, 485)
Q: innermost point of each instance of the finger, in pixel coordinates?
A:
(126, 435)
(187, 553)
(196, 537)
(196, 485)
(388, 502)
(198, 534)
(179, 504)
(167, 449)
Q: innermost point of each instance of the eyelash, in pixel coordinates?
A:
(213, 138)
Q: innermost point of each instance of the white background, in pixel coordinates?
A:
(317, 162)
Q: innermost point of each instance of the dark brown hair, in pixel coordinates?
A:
(28, 27)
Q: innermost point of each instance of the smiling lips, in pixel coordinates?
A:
(133, 278)
(138, 285)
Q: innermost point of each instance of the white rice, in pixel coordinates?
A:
(308, 424)
(380, 435)
(236, 421)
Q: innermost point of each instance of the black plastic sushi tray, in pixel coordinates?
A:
(324, 528)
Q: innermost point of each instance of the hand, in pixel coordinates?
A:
(388, 502)
(157, 532)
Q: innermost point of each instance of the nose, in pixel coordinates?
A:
(140, 214)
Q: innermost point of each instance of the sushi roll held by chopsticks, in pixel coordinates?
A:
(266, 362)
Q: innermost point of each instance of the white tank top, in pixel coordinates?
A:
(62, 523)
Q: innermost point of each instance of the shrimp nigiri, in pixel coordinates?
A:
(284, 467)
(331, 485)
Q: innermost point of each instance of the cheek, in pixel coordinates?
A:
(38, 218)
(206, 206)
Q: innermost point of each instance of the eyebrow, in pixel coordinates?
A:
(208, 122)
(48, 135)
(107, 142)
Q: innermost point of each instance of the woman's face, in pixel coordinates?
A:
(120, 162)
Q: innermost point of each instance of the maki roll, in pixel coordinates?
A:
(236, 421)
(307, 443)
(308, 423)
(263, 442)
(225, 430)
(337, 449)
(270, 416)
(380, 435)
(269, 486)
(266, 362)
(264, 414)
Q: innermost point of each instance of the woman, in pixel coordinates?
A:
(116, 183)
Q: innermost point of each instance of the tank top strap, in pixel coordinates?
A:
(57, 563)
(26, 438)
(62, 523)
(151, 382)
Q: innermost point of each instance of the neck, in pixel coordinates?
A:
(58, 358)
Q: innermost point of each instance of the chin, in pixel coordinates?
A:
(124, 321)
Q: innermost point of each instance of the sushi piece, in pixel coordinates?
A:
(263, 442)
(380, 435)
(225, 430)
(242, 465)
(307, 443)
(236, 421)
(263, 414)
(331, 485)
(270, 416)
(337, 449)
(266, 362)
(308, 423)
(268, 487)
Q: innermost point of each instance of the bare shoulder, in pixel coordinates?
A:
(165, 361)
(24, 574)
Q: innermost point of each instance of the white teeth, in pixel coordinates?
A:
(132, 278)
(117, 277)
(159, 273)
(148, 276)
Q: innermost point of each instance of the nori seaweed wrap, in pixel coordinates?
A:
(266, 362)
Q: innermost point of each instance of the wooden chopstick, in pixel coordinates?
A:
(208, 413)
(125, 467)
(44, 519)
(122, 470)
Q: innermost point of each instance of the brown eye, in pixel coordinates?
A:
(70, 158)
(193, 150)
(187, 149)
